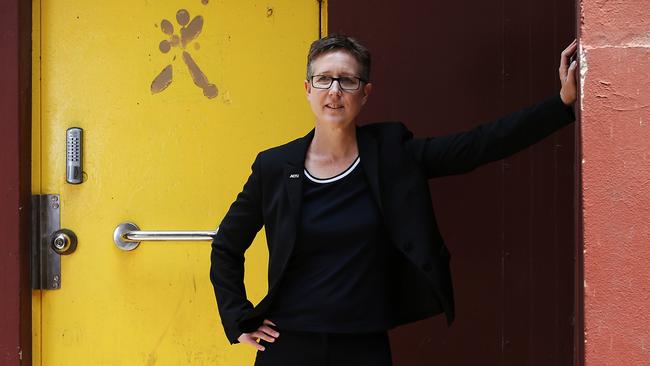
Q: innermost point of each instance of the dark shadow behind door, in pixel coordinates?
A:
(443, 67)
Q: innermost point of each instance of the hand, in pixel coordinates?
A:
(568, 93)
(264, 332)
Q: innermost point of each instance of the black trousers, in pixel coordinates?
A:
(293, 348)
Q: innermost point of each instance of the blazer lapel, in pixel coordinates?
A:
(293, 185)
(292, 180)
(369, 155)
(293, 171)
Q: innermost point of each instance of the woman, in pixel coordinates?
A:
(354, 249)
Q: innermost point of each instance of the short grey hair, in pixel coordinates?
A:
(335, 42)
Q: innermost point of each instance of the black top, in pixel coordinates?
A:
(336, 279)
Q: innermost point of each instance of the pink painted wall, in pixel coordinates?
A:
(615, 128)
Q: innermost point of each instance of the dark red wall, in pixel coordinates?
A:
(15, 93)
(443, 67)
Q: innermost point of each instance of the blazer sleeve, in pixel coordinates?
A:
(234, 235)
(462, 152)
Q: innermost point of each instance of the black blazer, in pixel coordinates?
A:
(397, 167)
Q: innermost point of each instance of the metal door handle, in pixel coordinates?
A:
(127, 235)
(64, 241)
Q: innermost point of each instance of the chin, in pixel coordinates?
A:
(334, 121)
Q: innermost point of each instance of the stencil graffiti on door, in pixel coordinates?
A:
(188, 32)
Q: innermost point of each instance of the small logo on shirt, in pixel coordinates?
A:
(294, 176)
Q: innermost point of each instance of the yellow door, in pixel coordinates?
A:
(175, 98)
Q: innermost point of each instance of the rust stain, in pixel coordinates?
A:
(162, 81)
(209, 90)
(164, 46)
(189, 31)
(175, 40)
(182, 17)
(151, 360)
(192, 30)
(167, 27)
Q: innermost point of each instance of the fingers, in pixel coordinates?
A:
(267, 331)
(568, 93)
(564, 59)
(249, 339)
(262, 335)
(571, 75)
(263, 332)
(567, 53)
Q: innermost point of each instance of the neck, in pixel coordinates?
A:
(332, 143)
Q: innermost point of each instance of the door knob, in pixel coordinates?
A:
(64, 241)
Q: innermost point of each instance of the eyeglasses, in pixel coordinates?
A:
(347, 83)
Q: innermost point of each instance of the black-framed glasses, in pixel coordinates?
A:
(347, 83)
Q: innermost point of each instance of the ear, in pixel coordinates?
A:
(307, 87)
(367, 88)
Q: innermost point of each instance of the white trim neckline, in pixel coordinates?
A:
(336, 177)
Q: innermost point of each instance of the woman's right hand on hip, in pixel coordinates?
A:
(263, 332)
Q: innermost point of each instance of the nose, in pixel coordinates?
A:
(338, 90)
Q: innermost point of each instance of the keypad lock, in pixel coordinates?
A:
(74, 152)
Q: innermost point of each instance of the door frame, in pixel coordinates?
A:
(15, 183)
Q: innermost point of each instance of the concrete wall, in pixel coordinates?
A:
(615, 129)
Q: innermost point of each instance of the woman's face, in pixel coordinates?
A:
(334, 106)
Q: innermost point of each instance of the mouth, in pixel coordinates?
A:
(333, 106)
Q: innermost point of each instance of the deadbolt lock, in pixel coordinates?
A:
(64, 241)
